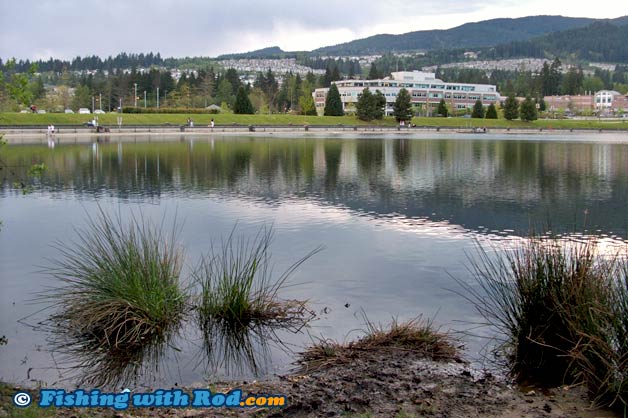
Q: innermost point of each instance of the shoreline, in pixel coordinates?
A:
(40, 135)
(375, 383)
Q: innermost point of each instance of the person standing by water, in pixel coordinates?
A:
(211, 123)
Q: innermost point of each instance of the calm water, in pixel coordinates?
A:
(396, 217)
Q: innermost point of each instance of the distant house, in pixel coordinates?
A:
(604, 100)
(214, 108)
(610, 100)
(575, 103)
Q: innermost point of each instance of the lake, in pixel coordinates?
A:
(397, 217)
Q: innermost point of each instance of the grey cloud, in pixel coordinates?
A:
(67, 28)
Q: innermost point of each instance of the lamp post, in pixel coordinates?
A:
(100, 101)
(144, 99)
(157, 97)
(135, 95)
(92, 104)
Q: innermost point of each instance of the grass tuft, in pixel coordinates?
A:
(239, 308)
(237, 286)
(120, 299)
(563, 309)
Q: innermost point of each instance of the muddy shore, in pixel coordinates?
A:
(382, 382)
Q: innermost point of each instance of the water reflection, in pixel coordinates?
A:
(85, 358)
(397, 217)
(480, 185)
(237, 349)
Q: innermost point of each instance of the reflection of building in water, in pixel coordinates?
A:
(458, 180)
(348, 161)
(320, 165)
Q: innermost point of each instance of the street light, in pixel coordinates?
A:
(157, 97)
(144, 99)
(135, 96)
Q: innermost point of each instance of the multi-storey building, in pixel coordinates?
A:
(425, 90)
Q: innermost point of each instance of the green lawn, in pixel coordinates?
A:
(283, 119)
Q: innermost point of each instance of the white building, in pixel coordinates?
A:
(424, 88)
(609, 99)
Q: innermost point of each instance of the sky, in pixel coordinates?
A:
(40, 29)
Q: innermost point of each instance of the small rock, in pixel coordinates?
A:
(530, 393)
(547, 408)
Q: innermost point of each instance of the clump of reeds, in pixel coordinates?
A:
(120, 296)
(237, 286)
(417, 336)
(601, 351)
(563, 309)
(239, 307)
(529, 293)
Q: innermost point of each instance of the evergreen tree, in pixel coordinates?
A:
(542, 105)
(528, 110)
(478, 110)
(364, 106)
(491, 112)
(327, 78)
(511, 108)
(243, 105)
(373, 73)
(232, 76)
(223, 94)
(442, 108)
(380, 104)
(370, 106)
(333, 104)
(402, 109)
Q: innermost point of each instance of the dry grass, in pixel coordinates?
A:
(417, 336)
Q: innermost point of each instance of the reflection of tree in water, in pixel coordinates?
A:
(332, 162)
(461, 181)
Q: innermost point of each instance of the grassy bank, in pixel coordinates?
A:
(299, 120)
